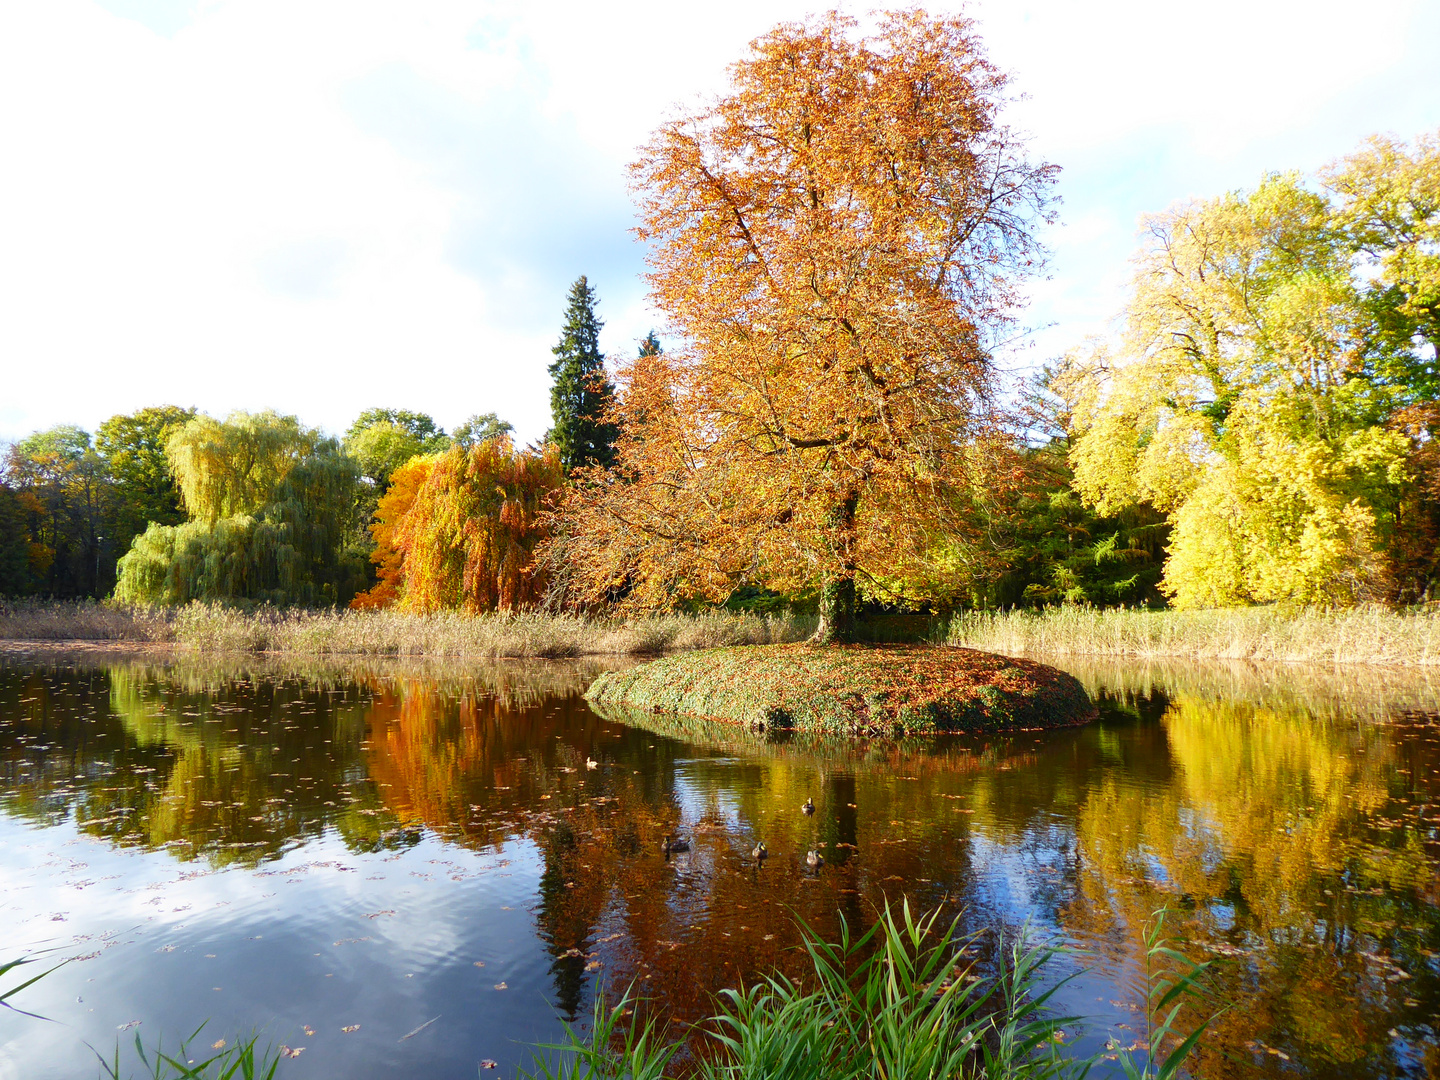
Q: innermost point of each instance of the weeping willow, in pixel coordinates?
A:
(468, 540)
(271, 506)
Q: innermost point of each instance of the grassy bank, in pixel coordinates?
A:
(213, 628)
(849, 690)
(1356, 636)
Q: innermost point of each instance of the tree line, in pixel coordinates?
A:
(838, 245)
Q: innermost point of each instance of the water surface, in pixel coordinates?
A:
(472, 853)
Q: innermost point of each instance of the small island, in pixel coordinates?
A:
(850, 690)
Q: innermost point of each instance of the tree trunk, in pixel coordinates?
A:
(837, 591)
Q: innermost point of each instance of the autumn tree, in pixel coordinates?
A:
(391, 512)
(837, 242)
(581, 392)
(467, 538)
(1258, 391)
(62, 502)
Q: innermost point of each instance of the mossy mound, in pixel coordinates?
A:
(850, 690)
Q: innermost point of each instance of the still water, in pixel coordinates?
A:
(408, 871)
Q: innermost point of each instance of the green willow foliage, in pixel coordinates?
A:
(272, 505)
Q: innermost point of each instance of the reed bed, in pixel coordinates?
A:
(85, 620)
(451, 634)
(1369, 635)
(1343, 692)
(216, 628)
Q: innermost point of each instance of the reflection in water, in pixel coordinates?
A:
(1294, 836)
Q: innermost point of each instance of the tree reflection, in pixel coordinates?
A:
(1290, 839)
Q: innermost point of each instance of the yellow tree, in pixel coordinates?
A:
(836, 242)
(1250, 394)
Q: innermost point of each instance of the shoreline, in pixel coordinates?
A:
(1353, 638)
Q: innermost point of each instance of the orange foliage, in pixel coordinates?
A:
(391, 510)
(837, 242)
(468, 538)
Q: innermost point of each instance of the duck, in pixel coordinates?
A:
(760, 852)
(674, 847)
(808, 806)
(814, 860)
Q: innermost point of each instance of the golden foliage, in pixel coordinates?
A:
(390, 511)
(834, 241)
(468, 537)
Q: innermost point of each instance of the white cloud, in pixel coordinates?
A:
(318, 205)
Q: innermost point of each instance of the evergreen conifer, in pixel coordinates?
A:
(581, 390)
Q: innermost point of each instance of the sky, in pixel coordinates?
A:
(319, 206)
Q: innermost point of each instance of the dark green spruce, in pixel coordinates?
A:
(581, 390)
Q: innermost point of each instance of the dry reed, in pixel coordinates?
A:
(383, 633)
(1354, 636)
(46, 620)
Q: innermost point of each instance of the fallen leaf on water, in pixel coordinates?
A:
(479, 963)
(350, 1027)
(309, 1031)
(487, 1063)
(286, 1051)
(127, 1027)
(422, 1027)
(593, 965)
(218, 1044)
(501, 986)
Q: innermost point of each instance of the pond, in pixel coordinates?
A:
(408, 870)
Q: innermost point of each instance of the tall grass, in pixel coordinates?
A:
(215, 628)
(900, 1000)
(85, 620)
(1369, 635)
(241, 1060)
(384, 633)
